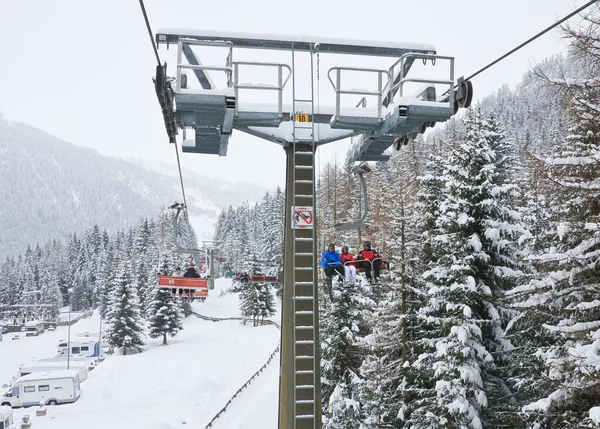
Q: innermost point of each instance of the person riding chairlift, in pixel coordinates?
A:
(348, 262)
(331, 262)
(367, 258)
(191, 272)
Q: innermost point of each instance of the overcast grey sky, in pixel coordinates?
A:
(81, 70)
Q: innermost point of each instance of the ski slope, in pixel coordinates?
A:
(183, 384)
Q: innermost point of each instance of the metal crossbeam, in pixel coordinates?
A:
(170, 36)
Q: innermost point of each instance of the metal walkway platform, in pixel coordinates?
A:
(391, 116)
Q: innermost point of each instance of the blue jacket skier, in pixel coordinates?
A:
(332, 262)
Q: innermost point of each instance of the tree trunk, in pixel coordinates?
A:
(164, 338)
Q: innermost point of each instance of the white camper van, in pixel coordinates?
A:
(95, 336)
(6, 417)
(38, 366)
(82, 348)
(91, 364)
(52, 388)
(34, 328)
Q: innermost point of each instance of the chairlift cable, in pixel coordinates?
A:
(181, 181)
(150, 31)
(159, 64)
(531, 39)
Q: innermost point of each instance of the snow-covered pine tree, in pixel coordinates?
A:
(383, 355)
(165, 316)
(50, 292)
(124, 319)
(266, 301)
(341, 357)
(250, 305)
(470, 249)
(560, 320)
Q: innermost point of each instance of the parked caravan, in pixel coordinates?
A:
(37, 366)
(6, 417)
(90, 362)
(34, 328)
(95, 336)
(51, 388)
(79, 348)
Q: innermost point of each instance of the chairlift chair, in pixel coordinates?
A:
(190, 288)
(360, 224)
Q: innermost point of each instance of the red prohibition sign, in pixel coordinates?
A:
(303, 218)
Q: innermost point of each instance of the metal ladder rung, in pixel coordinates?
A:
(304, 298)
(305, 342)
(304, 254)
(305, 386)
(305, 417)
(304, 268)
(304, 152)
(303, 196)
(305, 401)
(304, 167)
(304, 239)
(301, 100)
(305, 371)
(305, 357)
(304, 141)
(303, 283)
(304, 181)
(304, 327)
(305, 312)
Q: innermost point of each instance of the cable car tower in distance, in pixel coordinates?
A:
(289, 113)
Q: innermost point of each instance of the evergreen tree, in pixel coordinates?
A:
(124, 319)
(471, 261)
(50, 294)
(341, 358)
(559, 315)
(250, 305)
(165, 317)
(266, 301)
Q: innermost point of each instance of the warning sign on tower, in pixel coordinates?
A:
(302, 217)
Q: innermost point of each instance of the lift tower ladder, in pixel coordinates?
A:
(306, 377)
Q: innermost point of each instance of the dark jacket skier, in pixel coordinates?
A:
(191, 272)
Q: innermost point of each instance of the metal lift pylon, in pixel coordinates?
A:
(300, 386)
(299, 128)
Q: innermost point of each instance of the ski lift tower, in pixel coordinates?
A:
(385, 115)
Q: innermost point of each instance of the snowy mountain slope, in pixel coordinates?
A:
(184, 383)
(50, 188)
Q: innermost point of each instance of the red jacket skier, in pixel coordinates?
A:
(369, 258)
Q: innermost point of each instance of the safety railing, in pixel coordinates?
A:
(256, 374)
(279, 87)
(180, 66)
(403, 80)
(381, 88)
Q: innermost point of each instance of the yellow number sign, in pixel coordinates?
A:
(300, 117)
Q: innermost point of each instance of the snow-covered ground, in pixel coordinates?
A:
(13, 353)
(180, 385)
